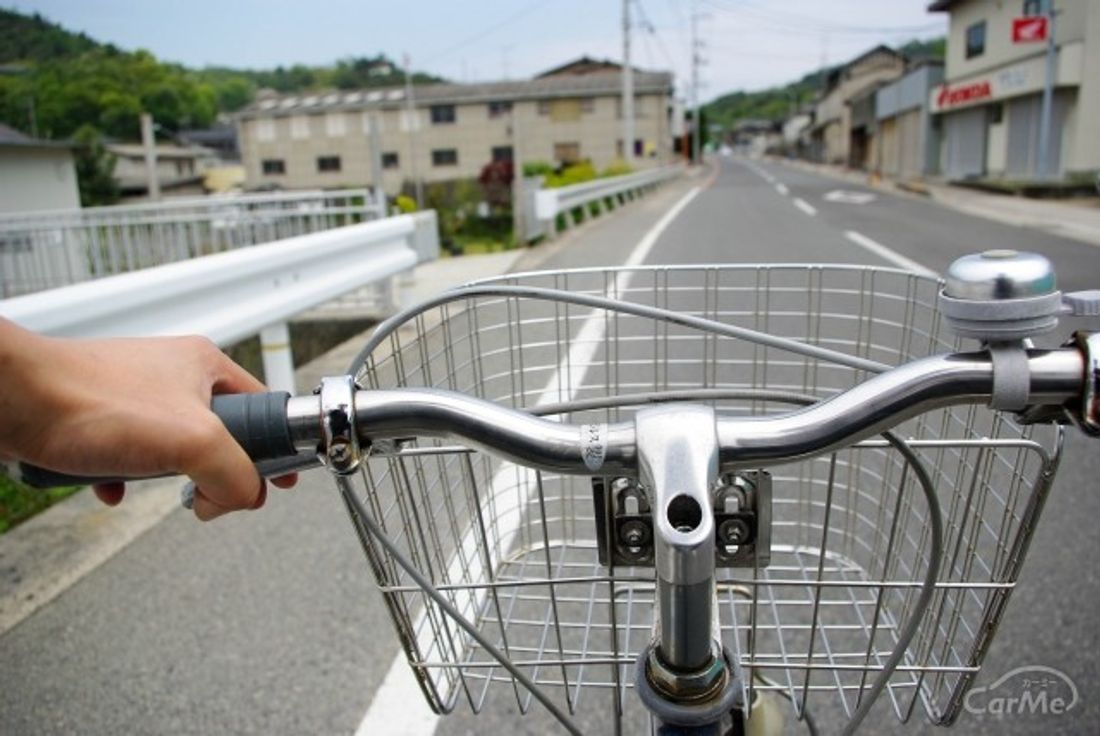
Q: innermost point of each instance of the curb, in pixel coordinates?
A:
(42, 557)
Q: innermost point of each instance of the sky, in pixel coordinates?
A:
(744, 44)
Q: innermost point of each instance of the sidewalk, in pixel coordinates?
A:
(42, 557)
(1078, 219)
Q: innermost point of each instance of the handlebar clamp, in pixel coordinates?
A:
(339, 451)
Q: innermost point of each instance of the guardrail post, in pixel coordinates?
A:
(277, 357)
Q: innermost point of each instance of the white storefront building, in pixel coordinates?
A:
(988, 107)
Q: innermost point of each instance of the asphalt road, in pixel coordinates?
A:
(267, 623)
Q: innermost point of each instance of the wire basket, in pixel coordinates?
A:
(515, 552)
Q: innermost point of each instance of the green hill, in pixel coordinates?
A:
(776, 103)
(54, 82)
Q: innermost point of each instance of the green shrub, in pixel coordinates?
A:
(538, 168)
(405, 204)
(575, 174)
(618, 167)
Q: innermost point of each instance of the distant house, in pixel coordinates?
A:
(908, 144)
(35, 174)
(180, 169)
(834, 140)
(568, 114)
(221, 138)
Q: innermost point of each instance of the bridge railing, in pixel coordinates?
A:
(232, 295)
(550, 203)
(49, 249)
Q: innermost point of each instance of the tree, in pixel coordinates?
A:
(95, 168)
(496, 182)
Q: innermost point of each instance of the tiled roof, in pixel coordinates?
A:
(12, 137)
(587, 85)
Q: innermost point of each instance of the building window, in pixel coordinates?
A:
(499, 109)
(544, 107)
(272, 166)
(335, 124)
(390, 160)
(588, 105)
(445, 157)
(265, 130)
(328, 163)
(975, 40)
(502, 153)
(443, 114)
(299, 127)
(567, 153)
(1033, 7)
(639, 147)
(996, 114)
(410, 121)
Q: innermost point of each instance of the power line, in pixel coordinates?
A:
(487, 31)
(807, 26)
(652, 29)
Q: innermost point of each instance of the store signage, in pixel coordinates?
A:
(1030, 29)
(970, 92)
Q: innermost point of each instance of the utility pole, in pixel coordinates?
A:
(519, 231)
(628, 89)
(149, 142)
(1045, 170)
(376, 159)
(410, 114)
(695, 61)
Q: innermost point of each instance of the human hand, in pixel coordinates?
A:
(130, 407)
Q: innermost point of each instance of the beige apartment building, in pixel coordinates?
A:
(989, 103)
(570, 114)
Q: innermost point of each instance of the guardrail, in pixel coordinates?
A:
(49, 249)
(550, 203)
(233, 295)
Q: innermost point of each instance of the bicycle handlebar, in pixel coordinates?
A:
(283, 433)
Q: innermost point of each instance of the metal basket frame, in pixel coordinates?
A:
(513, 550)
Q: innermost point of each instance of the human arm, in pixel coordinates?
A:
(126, 407)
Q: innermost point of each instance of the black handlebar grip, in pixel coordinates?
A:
(258, 423)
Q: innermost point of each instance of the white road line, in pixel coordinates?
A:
(782, 189)
(888, 254)
(805, 206)
(398, 706)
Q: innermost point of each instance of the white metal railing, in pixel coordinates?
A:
(48, 249)
(230, 296)
(549, 203)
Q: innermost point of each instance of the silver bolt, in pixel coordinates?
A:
(734, 531)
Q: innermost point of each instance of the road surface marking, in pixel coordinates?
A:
(849, 197)
(782, 189)
(805, 206)
(888, 254)
(398, 705)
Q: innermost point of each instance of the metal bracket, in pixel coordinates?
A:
(741, 510)
(339, 450)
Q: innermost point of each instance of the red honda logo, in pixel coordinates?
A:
(1030, 29)
(949, 96)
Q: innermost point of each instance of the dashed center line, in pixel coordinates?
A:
(805, 206)
(889, 254)
(782, 189)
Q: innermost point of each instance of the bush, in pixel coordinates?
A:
(574, 174)
(538, 168)
(617, 168)
(405, 204)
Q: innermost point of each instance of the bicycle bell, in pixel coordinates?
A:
(1001, 296)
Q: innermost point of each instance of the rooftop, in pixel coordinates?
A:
(567, 85)
(12, 137)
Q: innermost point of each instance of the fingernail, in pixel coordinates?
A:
(261, 497)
